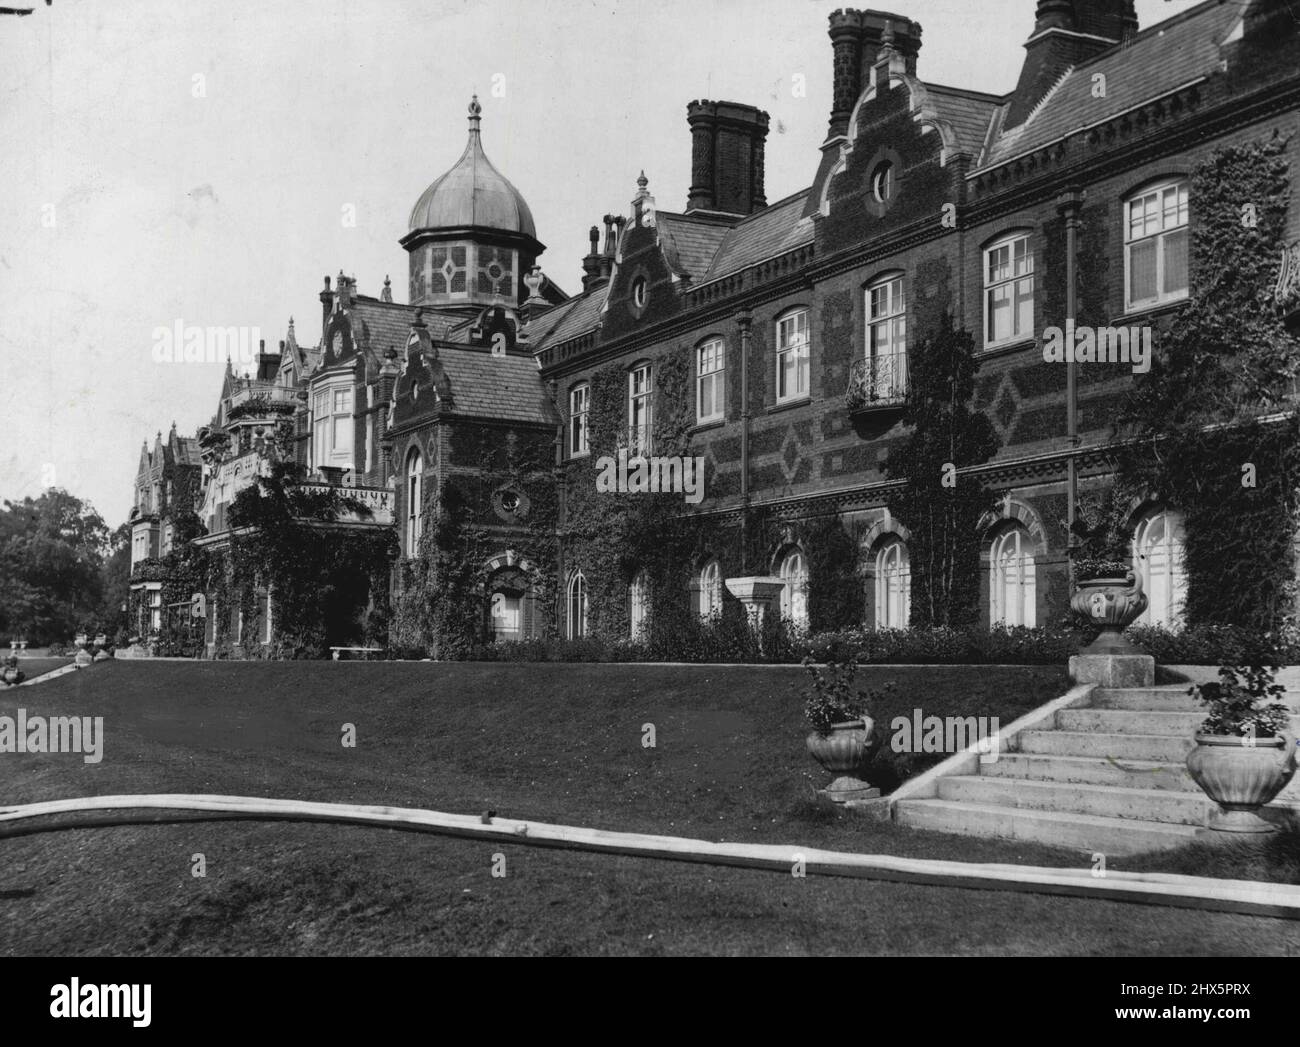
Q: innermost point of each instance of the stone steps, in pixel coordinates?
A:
(1104, 801)
(1108, 777)
(1088, 833)
(1129, 721)
(1147, 699)
(1092, 770)
(1163, 748)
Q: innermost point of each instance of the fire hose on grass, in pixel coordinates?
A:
(1240, 896)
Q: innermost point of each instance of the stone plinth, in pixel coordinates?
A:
(1114, 670)
(758, 594)
(845, 789)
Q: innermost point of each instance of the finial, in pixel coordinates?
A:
(475, 113)
(327, 281)
(386, 295)
(643, 181)
(291, 323)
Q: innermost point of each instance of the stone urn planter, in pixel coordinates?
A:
(844, 752)
(1113, 603)
(10, 674)
(1241, 775)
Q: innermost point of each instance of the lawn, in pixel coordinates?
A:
(560, 743)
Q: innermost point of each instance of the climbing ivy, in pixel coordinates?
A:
(327, 585)
(941, 511)
(1215, 431)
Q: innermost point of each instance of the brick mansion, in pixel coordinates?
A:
(776, 339)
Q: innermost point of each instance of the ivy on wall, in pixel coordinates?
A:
(328, 586)
(1216, 436)
(440, 610)
(941, 511)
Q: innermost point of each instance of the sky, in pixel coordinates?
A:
(208, 162)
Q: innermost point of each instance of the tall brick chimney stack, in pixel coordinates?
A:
(856, 39)
(727, 157)
(1067, 32)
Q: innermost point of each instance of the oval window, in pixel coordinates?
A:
(639, 292)
(882, 182)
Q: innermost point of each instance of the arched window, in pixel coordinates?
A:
(710, 589)
(794, 597)
(792, 353)
(710, 362)
(886, 360)
(579, 405)
(414, 501)
(639, 593)
(576, 624)
(1158, 561)
(1008, 290)
(893, 585)
(1155, 245)
(1011, 585)
(639, 411)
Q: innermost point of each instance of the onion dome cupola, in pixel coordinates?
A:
(471, 235)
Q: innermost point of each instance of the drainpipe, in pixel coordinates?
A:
(745, 321)
(1069, 209)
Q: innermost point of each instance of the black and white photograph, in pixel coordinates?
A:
(611, 478)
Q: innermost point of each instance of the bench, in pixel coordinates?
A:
(366, 650)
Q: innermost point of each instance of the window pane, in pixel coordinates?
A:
(1142, 271)
(999, 267)
(1175, 248)
(343, 434)
(999, 313)
(1024, 305)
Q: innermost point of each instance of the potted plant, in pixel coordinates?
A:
(1242, 758)
(1107, 591)
(841, 729)
(10, 674)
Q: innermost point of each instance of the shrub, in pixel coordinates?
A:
(1211, 644)
(831, 698)
(1239, 702)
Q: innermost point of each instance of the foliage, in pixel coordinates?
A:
(830, 697)
(51, 552)
(321, 579)
(970, 645)
(942, 513)
(1240, 703)
(1213, 644)
(1100, 532)
(260, 406)
(1214, 432)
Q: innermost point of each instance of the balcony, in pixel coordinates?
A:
(877, 385)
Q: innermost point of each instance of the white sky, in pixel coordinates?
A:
(226, 210)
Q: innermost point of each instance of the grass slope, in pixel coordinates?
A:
(558, 743)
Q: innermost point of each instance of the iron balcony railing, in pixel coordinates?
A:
(878, 382)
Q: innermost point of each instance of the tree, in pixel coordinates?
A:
(52, 549)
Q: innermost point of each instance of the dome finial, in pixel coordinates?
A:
(642, 181)
(475, 112)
